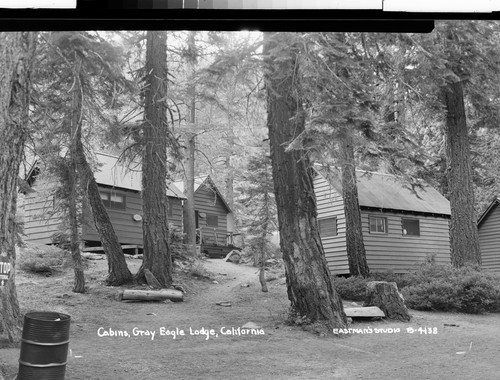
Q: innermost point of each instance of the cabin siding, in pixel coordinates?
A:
(207, 201)
(392, 251)
(329, 203)
(489, 240)
(126, 228)
(399, 253)
(39, 225)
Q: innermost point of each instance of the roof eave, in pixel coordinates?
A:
(411, 212)
(492, 204)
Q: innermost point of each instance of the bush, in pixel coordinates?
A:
(444, 288)
(434, 287)
(351, 288)
(41, 258)
(61, 239)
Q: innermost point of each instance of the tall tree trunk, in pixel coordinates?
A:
(463, 227)
(72, 181)
(229, 195)
(356, 253)
(118, 272)
(309, 282)
(189, 211)
(263, 246)
(157, 256)
(74, 226)
(16, 59)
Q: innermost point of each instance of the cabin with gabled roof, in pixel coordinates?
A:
(488, 227)
(120, 189)
(213, 216)
(401, 228)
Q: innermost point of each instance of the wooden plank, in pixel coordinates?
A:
(364, 312)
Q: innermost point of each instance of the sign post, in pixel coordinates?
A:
(4, 270)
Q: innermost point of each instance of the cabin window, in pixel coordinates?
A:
(112, 200)
(411, 227)
(327, 227)
(378, 225)
(212, 220)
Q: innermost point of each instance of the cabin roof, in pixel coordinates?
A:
(489, 209)
(386, 191)
(110, 172)
(113, 173)
(208, 182)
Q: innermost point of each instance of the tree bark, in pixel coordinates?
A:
(309, 283)
(356, 253)
(265, 232)
(157, 256)
(72, 180)
(189, 211)
(463, 227)
(118, 272)
(74, 227)
(16, 60)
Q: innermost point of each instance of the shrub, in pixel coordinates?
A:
(439, 287)
(351, 288)
(35, 258)
(434, 287)
(61, 239)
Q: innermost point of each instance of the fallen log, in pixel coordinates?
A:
(151, 295)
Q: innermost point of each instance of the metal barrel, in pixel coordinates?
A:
(44, 346)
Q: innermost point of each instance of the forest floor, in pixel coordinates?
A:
(460, 346)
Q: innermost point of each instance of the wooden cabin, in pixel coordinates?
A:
(400, 228)
(213, 216)
(120, 189)
(489, 237)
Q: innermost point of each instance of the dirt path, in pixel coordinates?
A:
(230, 277)
(464, 347)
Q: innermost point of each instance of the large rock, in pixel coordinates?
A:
(385, 295)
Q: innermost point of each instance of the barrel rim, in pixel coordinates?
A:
(26, 364)
(32, 315)
(35, 343)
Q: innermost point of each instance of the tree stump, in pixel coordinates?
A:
(386, 297)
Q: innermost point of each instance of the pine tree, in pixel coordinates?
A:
(259, 206)
(157, 256)
(309, 282)
(460, 62)
(77, 87)
(16, 60)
